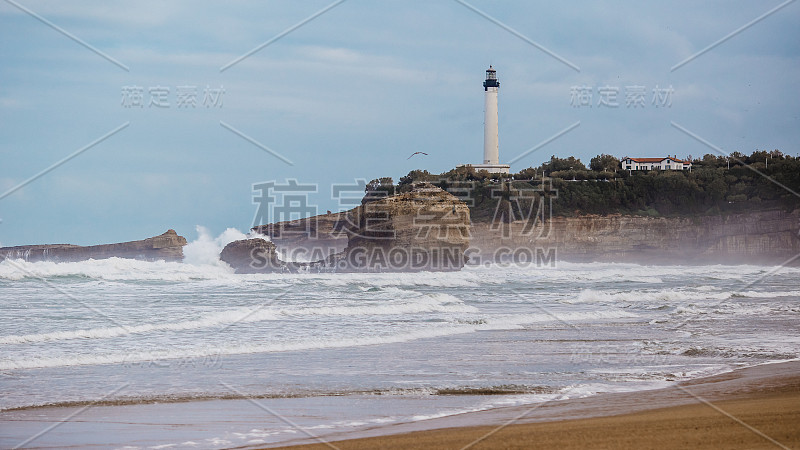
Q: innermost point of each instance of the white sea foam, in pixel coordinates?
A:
(516, 321)
(205, 249)
(112, 269)
(209, 351)
(632, 272)
(766, 294)
(437, 302)
(211, 320)
(658, 297)
(591, 389)
(432, 279)
(201, 265)
(493, 402)
(697, 302)
(742, 309)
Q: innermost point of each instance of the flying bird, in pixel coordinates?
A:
(416, 153)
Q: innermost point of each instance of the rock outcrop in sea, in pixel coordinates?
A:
(424, 229)
(167, 246)
(256, 255)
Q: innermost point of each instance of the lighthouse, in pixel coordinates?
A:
(491, 137)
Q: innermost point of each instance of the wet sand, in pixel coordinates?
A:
(748, 408)
(758, 407)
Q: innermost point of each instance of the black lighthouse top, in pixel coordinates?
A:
(491, 79)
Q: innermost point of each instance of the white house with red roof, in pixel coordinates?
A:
(668, 163)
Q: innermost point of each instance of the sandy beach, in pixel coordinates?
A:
(757, 407)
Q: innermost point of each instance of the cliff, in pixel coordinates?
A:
(759, 237)
(424, 229)
(310, 239)
(167, 246)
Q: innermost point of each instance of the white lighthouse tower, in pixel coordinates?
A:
(491, 139)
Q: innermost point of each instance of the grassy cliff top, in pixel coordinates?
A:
(715, 185)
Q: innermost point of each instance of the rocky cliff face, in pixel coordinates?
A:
(760, 237)
(256, 256)
(310, 239)
(167, 246)
(425, 229)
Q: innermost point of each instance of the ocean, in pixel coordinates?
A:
(324, 353)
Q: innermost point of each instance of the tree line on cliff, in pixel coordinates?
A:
(715, 185)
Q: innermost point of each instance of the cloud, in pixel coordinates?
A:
(109, 15)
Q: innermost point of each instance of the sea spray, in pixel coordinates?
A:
(206, 248)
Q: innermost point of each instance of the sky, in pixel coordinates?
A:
(122, 119)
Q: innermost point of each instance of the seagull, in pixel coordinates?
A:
(417, 153)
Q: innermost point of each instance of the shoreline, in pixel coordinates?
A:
(753, 407)
(766, 396)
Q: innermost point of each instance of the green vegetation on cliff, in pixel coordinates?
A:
(716, 184)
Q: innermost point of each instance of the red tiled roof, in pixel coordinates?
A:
(657, 160)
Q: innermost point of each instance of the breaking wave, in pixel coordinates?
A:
(671, 296)
(427, 303)
(205, 249)
(205, 352)
(437, 302)
(201, 262)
